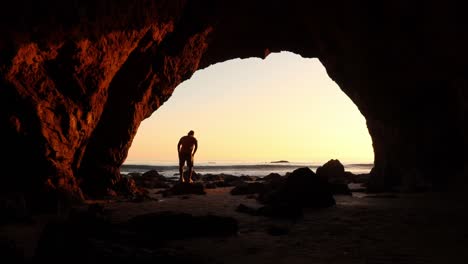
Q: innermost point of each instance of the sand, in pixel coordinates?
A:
(384, 228)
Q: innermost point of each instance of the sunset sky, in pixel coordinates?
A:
(284, 107)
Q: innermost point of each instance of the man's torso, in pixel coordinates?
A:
(187, 144)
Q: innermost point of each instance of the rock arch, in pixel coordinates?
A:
(77, 78)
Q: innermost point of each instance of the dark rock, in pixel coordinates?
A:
(185, 188)
(361, 178)
(126, 186)
(212, 177)
(247, 178)
(195, 176)
(151, 179)
(230, 178)
(172, 181)
(133, 174)
(235, 183)
(340, 188)
(272, 177)
(287, 197)
(153, 174)
(302, 188)
(249, 188)
(333, 171)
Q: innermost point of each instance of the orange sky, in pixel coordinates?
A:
(282, 108)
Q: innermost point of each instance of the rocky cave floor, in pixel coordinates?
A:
(362, 228)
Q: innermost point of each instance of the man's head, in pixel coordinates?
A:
(190, 133)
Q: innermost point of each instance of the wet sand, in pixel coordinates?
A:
(384, 228)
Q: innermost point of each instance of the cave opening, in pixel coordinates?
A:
(78, 79)
(256, 112)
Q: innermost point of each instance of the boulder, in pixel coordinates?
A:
(212, 177)
(248, 178)
(333, 171)
(272, 177)
(153, 174)
(151, 179)
(302, 188)
(195, 176)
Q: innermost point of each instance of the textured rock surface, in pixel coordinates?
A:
(77, 78)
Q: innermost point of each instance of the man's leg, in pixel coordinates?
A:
(190, 169)
(181, 170)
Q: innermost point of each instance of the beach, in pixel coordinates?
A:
(328, 132)
(360, 228)
(403, 228)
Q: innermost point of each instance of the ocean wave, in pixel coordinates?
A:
(239, 169)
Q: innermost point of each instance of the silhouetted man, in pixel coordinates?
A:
(187, 147)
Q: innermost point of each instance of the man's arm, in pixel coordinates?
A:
(178, 145)
(196, 147)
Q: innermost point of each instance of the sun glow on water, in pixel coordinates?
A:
(282, 108)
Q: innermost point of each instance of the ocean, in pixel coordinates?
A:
(238, 169)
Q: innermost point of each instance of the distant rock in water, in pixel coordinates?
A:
(280, 161)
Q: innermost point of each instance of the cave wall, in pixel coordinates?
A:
(78, 77)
